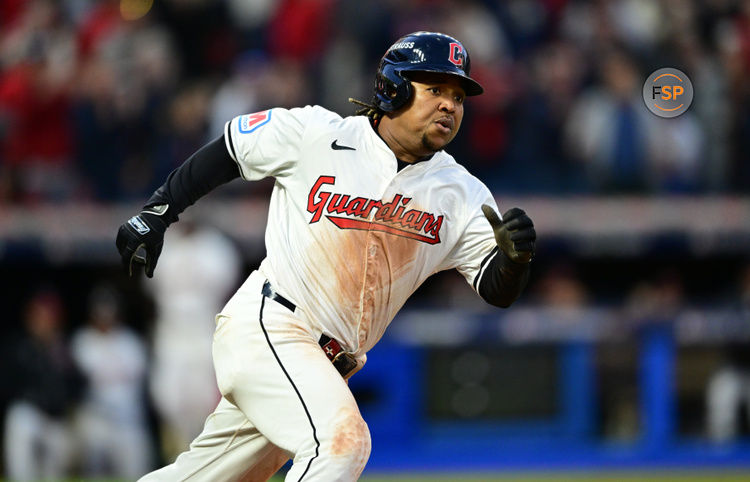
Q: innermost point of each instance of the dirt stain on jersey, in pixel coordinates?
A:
(348, 269)
(359, 270)
(380, 260)
(388, 258)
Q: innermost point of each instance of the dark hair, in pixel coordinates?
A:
(369, 110)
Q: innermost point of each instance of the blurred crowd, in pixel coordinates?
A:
(92, 396)
(74, 403)
(101, 99)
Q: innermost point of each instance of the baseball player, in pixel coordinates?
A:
(364, 209)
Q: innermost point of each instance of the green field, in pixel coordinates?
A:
(655, 475)
(568, 476)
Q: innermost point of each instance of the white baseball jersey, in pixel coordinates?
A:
(349, 236)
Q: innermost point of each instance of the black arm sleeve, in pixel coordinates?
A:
(502, 280)
(208, 168)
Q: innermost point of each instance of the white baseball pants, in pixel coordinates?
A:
(282, 398)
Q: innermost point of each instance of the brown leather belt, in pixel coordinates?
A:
(344, 362)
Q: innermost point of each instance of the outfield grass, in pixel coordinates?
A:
(567, 476)
(654, 475)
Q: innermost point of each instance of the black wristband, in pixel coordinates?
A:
(502, 280)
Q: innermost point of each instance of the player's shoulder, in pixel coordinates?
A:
(458, 173)
(457, 179)
(294, 119)
(321, 122)
(312, 114)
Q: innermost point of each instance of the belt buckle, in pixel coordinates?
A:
(345, 363)
(331, 347)
(342, 360)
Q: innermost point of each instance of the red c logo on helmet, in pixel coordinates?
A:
(457, 54)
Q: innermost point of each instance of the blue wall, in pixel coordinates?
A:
(393, 395)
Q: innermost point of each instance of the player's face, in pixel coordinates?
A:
(431, 118)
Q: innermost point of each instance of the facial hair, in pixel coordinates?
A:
(431, 146)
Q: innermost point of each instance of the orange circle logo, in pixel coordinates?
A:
(668, 92)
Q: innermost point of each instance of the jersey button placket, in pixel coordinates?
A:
(368, 298)
(369, 281)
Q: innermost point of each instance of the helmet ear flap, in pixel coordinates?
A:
(392, 90)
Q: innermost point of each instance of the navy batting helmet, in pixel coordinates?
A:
(420, 52)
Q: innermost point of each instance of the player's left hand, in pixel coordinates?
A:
(140, 240)
(515, 234)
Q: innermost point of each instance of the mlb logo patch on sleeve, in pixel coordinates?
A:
(250, 122)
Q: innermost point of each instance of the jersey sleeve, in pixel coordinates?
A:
(476, 246)
(267, 143)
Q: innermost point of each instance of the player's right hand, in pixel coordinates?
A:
(140, 240)
(515, 234)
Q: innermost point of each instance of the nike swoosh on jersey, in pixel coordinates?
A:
(337, 147)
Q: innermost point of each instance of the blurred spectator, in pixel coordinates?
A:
(557, 308)
(187, 117)
(193, 281)
(563, 82)
(125, 76)
(287, 84)
(44, 386)
(711, 107)
(241, 93)
(111, 421)
(733, 41)
(474, 22)
(536, 156)
(342, 80)
(561, 288)
(676, 157)
(299, 29)
(251, 16)
(368, 22)
(657, 300)
(608, 127)
(37, 57)
(485, 140)
(10, 10)
(205, 37)
(728, 389)
(640, 23)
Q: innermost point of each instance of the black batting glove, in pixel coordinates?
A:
(515, 234)
(140, 240)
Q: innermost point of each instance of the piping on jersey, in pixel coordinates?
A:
(390, 217)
